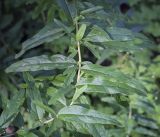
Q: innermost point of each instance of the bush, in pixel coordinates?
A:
(92, 79)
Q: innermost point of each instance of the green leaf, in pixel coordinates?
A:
(142, 104)
(53, 127)
(47, 34)
(62, 25)
(94, 49)
(115, 132)
(91, 10)
(64, 5)
(78, 92)
(77, 127)
(97, 130)
(83, 115)
(145, 131)
(25, 133)
(42, 62)
(104, 85)
(71, 73)
(33, 94)
(152, 124)
(12, 109)
(113, 38)
(114, 77)
(120, 34)
(81, 32)
(120, 46)
(106, 80)
(46, 108)
(97, 34)
(58, 94)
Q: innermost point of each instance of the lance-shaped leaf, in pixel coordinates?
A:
(62, 25)
(71, 73)
(42, 62)
(64, 5)
(45, 107)
(146, 122)
(12, 109)
(145, 132)
(113, 75)
(33, 94)
(96, 130)
(106, 80)
(119, 39)
(97, 34)
(96, 50)
(83, 115)
(47, 34)
(121, 46)
(120, 34)
(91, 10)
(103, 84)
(81, 32)
(142, 104)
(58, 94)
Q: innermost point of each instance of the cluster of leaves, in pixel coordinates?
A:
(72, 96)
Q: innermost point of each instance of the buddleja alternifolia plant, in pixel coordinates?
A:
(63, 104)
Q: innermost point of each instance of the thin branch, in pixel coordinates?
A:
(79, 56)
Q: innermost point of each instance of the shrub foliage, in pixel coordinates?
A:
(72, 90)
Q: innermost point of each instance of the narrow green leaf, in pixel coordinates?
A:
(42, 62)
(33, 94)
(97, 130)
(142, 104)
(97, 34)
(120, 39)
(46, 108)
(12, 109)
(120, 34)
(25, 133)
(83, 115)
(114, 76)
(106, 80)
(121, 46)
(94, 49)
(64, 5)
(78, 92)
(91, 10)
(81, 32)
(146, 122)
(116, 132)
(145, 131)
(103, 85)
(71, 73)
(66, 28)
(58, 94)
(47, 34)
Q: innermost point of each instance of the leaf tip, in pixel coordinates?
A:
(19, 54)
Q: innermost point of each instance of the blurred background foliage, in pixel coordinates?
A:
(21, 19)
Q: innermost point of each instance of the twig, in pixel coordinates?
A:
(79, 56)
